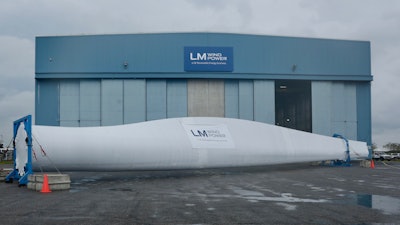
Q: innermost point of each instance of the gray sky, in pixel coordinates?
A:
(377, 21)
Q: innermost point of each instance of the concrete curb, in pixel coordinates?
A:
(365, 163)
(4, 173)
(57, 182)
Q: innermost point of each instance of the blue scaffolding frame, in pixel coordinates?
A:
(14, 174)
(347, 161)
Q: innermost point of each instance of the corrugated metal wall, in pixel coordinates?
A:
(69, 106)
(250, 99)
(134, 100)
(246, 100)
(334, 108)
(112, 107)
(264, 101)
(47, 102)
(156, 99)
(337, 107)
(103, 102)
(90, 103)
(177, 98)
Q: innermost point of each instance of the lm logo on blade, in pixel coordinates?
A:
(211, 133)
(199, 133)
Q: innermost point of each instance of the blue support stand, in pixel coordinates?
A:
(347, 161)
(14, 175)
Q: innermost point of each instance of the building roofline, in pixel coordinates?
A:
(201, 33)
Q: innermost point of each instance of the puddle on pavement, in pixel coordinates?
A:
(388, 205)
(121, 189)
(77, 189)
(255, 196)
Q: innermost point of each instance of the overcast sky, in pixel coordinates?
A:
(377, 21)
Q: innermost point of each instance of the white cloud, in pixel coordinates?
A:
(13, 107)
(16, 81)
(16, 58)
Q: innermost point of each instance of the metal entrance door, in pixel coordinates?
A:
(293, 104)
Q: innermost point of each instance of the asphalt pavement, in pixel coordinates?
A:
(284, 194)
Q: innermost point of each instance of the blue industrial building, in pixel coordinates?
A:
(316, 85)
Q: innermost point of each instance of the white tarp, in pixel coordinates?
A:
(21, 150)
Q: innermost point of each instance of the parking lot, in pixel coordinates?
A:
(285, 194)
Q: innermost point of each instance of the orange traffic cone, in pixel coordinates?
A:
(372, 164)
(45, 186)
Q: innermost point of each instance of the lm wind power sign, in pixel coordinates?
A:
(212, 59)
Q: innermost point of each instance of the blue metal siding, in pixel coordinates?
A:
(111, 102)
(264, 101)
(134, 100)
(338, 109)
(161, 56)
(246, 105)
(90, 103)
(334, 108)
(250, 100)
(177, 98)
(231, 98)
(47, 102)
(321, 98)
(344, 109)
(69, 103)
(108, 53)
(351, 111)
(156, 99)
(364, 112)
